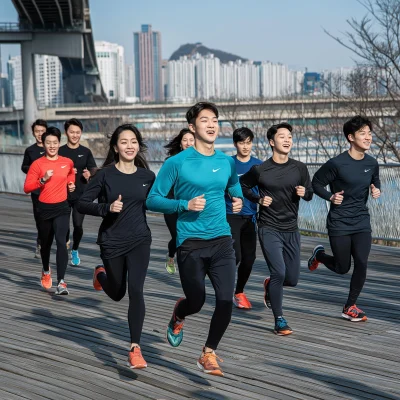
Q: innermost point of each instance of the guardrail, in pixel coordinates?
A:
(385, 214)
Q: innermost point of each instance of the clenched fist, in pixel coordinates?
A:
(337, 198)
(265, 201)
(300, 191)
(237, 204)
(71, 186)
(48, 175)
(197, 203)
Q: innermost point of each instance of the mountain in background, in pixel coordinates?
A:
(191, 49)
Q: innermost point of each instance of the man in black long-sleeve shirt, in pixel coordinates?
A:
(32, 153)
(84, 165)
(350, 176)
(281, 182)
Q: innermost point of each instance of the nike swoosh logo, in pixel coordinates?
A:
(145, 184)
(240, 174)
(366, 170)
(215, 170)
(42, 152)
(80, 155)
(63, 166)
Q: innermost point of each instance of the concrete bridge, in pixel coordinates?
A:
(61, 28)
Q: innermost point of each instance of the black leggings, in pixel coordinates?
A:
(135, 263)
(35, 203)
(358, 246)
(282, 253)
(171, 220)
(244, 237)
(48, 229)
(77, 221)
(218, 262)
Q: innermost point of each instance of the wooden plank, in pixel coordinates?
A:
(81, 341)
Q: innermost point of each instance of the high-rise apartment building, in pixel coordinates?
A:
(15, 81)
(240, 80)
(148, 64)
(110, 59)
(48, 81)
(181, 84)
(208, 76)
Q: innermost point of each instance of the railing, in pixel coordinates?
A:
(385, 214)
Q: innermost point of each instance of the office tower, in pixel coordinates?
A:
(148, 64)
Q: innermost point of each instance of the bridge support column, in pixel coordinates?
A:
(28, 88)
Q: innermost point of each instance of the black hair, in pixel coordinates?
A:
(39, 122)
(195, 110)
(73, 121)
(354, 124)
(51, 131)
(113, 157)
(241, 134)
(174, 145)
(274, 128)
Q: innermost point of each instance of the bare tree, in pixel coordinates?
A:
(375, 83)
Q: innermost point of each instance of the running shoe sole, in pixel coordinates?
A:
(215, 373)
(314, 253)
(352, 319)
(267, 304)
(62, 292)
(282, 333)
(140, 366)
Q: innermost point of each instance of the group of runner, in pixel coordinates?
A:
(213, 204)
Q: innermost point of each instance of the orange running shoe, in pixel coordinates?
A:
(208, 363)
(354, 314)
(135, 359)
(96, 283)
(45, 281)
(240, 300)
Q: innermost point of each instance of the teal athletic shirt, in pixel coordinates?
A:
(193, 174)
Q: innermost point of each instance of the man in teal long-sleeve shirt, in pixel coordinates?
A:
(200, 176)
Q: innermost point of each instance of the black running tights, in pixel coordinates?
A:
(134, 264)
(358, 246)
(77, 222)
(35, 203)
(48, 230)
(218, 262)
(244, 237)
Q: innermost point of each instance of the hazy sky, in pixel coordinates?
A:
(287, 31)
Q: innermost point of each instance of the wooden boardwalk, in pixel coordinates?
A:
(75, 347)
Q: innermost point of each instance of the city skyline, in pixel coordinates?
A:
(298, 37)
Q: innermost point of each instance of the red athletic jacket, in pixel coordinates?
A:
(55, 189)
